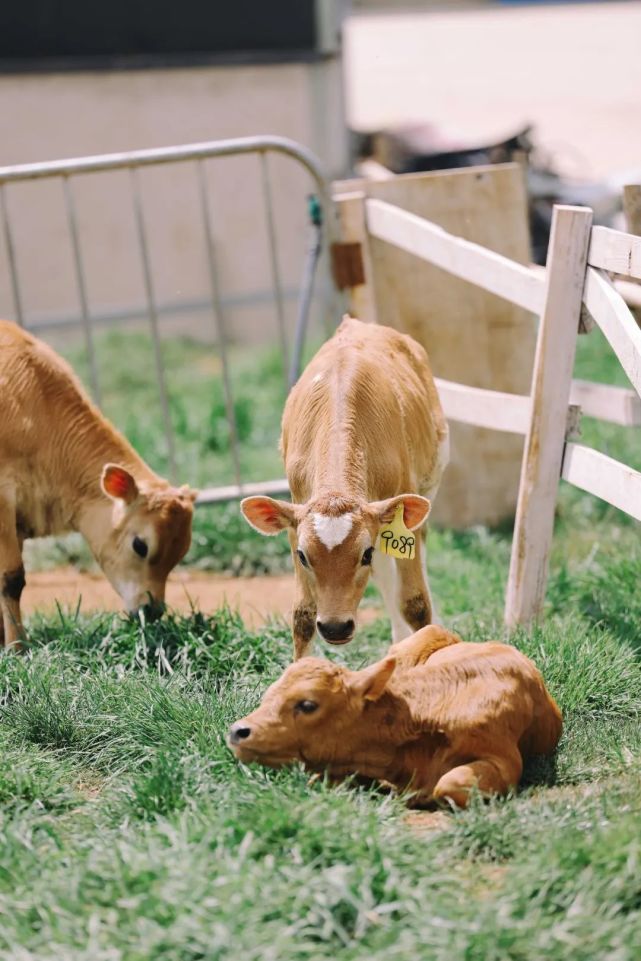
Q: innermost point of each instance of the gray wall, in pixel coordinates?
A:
(51, 116)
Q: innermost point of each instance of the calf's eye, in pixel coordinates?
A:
(306, 707)
(302, 558)
(367, 556)
(140, 546)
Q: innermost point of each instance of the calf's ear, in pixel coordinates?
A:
(372, 681)
(267, 515)
(118, 483)
(415, 509)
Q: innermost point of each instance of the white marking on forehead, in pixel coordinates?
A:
(332, 531)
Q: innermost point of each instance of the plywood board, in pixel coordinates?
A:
(472, 337)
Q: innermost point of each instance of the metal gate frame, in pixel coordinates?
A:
(133, 160)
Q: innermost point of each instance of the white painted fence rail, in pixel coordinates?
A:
(484, 408)
(609, 479)
(575, 274)
(616, 252)
(462, 258)
(611, 314)
(617, 405)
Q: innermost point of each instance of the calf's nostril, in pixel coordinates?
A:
(239, 733)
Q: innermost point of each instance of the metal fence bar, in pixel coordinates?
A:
(82, 288)
(123, 315)
(219, 319)
(233, 492)
(273, 255)
(153, 319)
(314, 250)
(160, 155)
(198, 152)
(11, 256)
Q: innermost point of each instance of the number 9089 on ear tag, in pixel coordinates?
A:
(395, 539)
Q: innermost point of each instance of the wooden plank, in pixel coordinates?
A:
(630, 291)
(492, 409)
(616, 252)
(617, 405)
(613, 482)
(469, 261)
(543, 453)
(617, 323)
(350, 228)
(471, 336)
(496, 410)
(372, 170)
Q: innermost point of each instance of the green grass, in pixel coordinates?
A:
(196, 398)
(129, 832)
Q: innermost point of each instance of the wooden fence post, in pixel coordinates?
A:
(351, 262)
(544, 444)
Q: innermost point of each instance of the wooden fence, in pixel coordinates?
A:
(571, 295)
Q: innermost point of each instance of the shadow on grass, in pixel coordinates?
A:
(540, 771)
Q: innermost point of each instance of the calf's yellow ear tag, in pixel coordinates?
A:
(395, 539)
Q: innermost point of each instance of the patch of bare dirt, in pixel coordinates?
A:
(423, 823)
(256, 598)
(89, 787)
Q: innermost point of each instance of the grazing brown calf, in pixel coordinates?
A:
(363, 433)
(63, 467)
(437, 716)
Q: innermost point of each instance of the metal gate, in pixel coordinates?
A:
(67, 172)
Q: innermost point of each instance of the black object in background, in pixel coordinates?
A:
(67, 34)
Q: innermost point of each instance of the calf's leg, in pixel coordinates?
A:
(489, 775)
(421, 645)
(386, 580)
(303, 617)
(12, 579)
(414, 601)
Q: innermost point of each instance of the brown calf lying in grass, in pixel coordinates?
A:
(437, 716)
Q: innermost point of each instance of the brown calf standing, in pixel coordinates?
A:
(63, 467)
(436, 716)
(363, 431)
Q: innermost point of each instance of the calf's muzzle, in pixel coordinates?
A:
(238, 732)
(336, 632)
(154, 610)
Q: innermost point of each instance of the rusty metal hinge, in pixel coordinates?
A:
(347, 265)
(573, 422)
